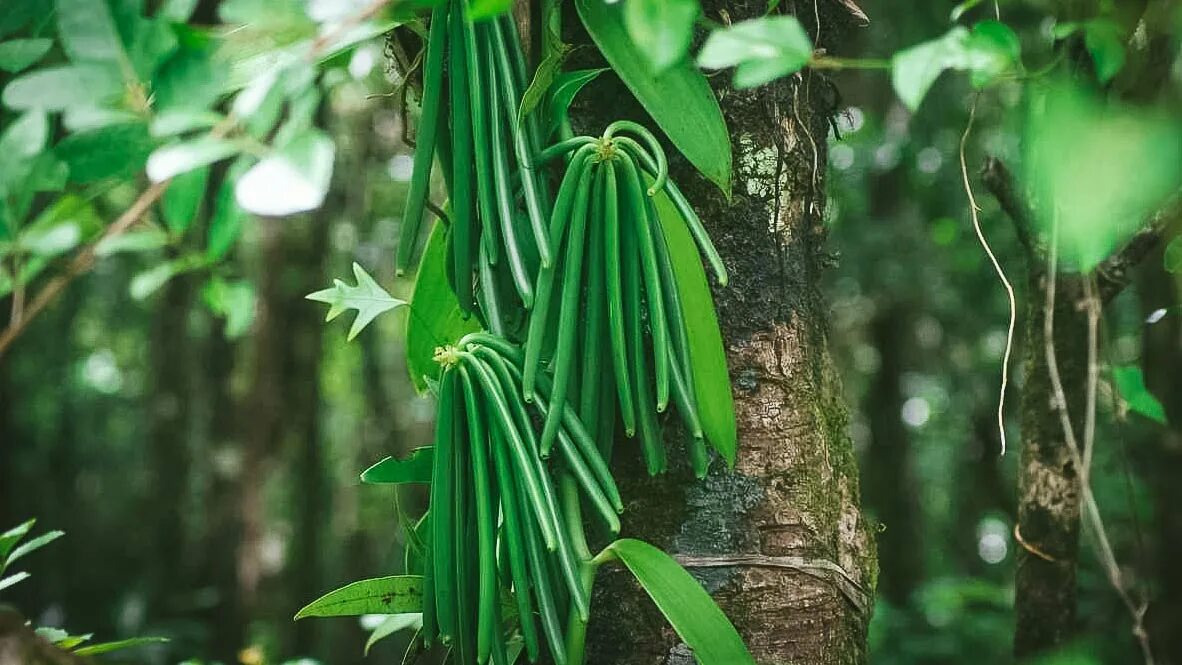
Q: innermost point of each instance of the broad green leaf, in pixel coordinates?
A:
(988, 51)
(1124, 163)
(233, 300)
(19, 54)
(180, 121)
(54, 635)
(120, 645)
(83, 118)
(416, 468)
(689, 609)
(183, 198)
(52, 240)
(144, 240)
(87, 30)
(1106, 43)
(566, 87)
(761, 50)
(481, 9)
(17, 13)
(435, 317)
(392, 624)
(397, 594)
(1130, 382)
(172, 160)
(61, 87)
(225, 225)
(712, 382)
(19, 143)
(10, 538)
(31, 546)
(661, 29)
(367, 297)
(292, 179)
(70, 641)
(679, 99)
(547, 70)
(191, 79)
(12, 580)
(153, 42)
(115, 151)
(149, 281)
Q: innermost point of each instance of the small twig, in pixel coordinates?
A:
(81, 263)
(974, 211)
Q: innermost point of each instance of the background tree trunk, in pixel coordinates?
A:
(803, 589)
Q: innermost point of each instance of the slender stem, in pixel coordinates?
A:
(831, 62)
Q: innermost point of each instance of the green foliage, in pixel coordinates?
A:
(683, 601)
(367, 297)
(988, 51)
(17, 55)
(1105, 42)
(392, 624)
(416, 468)
(661, 29)
(566, 87)
(292, 179)
(761, 50)
(1125, 162)
(1130, 383)
(396, 594)
(233, 300)
(436, 319)
(679, 98)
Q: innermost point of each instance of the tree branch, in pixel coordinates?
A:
(82, 262)
(1000, 182)
(1114, 273)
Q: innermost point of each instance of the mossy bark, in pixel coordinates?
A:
(1048, 484)
(779, 541)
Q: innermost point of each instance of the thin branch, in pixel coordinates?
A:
(1000, 182)
(82, 262)
(1116, 272)
(1091, 512)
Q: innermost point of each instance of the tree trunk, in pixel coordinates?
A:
(1048, 484)
(779, 541)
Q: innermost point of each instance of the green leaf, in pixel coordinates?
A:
(19, 54)
(183, 198)
(1125, 161)
(226, 223)
(233, 300)
(679, 99)
(543, 78)
(566, 87)
(47, 241)
(1105, 42)
(54, 635)
(180, 121)
(19, 143)
(177, 158)
(191, 79)
(392, 624)
(990, 50)
(120, 645)
(712, 381)
(115, 151)
(367, 297)
(292, 179)
(397, 594)
(87, 30)
(689, 609)
(481, 9)
(83, 118)
(661, 29)
(17, 13)
(10, 538)
(149, 281)
(144, 240)
(64, 86)
(1130, 382)
(416, 468)
(435, 318)
(31, 546)
(761, 50)
(14, 579)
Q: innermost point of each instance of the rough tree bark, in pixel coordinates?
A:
(780, 541)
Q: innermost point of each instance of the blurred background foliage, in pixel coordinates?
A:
(206, 474)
